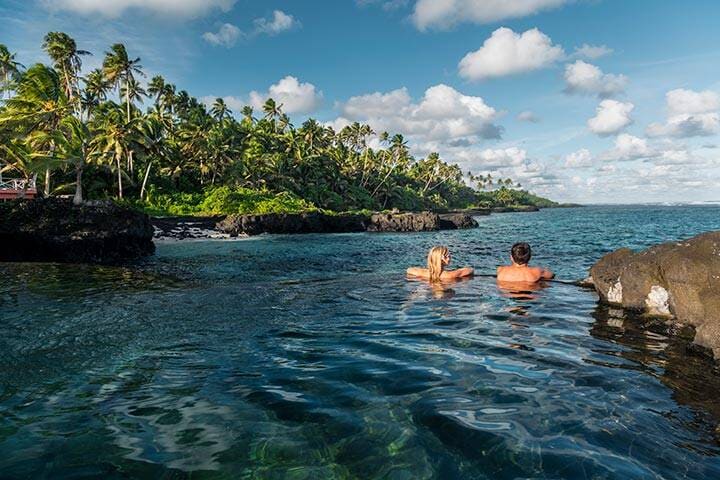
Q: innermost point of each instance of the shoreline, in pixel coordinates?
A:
(193, 228)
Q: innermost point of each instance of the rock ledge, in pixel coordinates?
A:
(678, 280)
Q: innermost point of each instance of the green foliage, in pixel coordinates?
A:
(223, 201)
(180, 157)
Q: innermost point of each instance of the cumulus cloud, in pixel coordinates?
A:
(628, 147)
(295, 96)
(115, 8)
(226, 35)
(442, 114)
(579, 159)
(611, 117)
(592, 52)
(278, 23)
(690, 114)
(586, 78)
(528, 116)
(507, 53)
(447, 13)
(501, 158)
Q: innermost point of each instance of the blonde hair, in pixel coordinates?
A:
(435, 262)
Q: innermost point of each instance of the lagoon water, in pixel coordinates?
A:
(312, 357)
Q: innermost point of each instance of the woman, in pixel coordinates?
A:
(437, 260)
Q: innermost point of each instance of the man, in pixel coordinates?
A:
(520, 271)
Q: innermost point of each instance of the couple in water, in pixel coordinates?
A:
(519, 272)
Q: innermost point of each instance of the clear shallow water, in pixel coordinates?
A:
(312, 357)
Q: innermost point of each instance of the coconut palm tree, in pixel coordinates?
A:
(220, 110)
(63, 51)
(39, 104)
(114, 140)
(73, 148)
(119, 70)
(9, 69)
(96, 90)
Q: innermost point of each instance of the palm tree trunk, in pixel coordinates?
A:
(145, 179)
(78, 198)
(46, 191)
(119, 171)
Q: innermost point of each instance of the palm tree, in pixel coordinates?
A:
(95, 92)
(9, 68)
(272, 111)
(38, 107)
(220, 110)
(120, 70)
(114, 140)
(20, 158)
(62, 50)
(73, 148)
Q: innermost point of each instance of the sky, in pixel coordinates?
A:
(588, 101)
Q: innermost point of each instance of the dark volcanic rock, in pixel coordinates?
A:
(519, 208)
(55, 230)
(291, 223)
(452, 221)
(322, 223)
(679, 280)
(404, 222)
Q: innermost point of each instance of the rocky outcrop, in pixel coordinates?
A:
(517, 208)
(677, 280)
(404, 222)
(315, 222)
(55, 230)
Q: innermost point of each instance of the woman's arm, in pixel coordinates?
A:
(417, 272)
(459, 273)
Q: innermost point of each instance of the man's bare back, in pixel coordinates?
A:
(520, 271)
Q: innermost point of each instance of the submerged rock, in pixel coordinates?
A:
(55, 230)
(677, 280)
(316, 222)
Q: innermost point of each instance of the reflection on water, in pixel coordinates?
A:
(288, 357)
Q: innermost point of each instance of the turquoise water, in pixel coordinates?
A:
(312, 357)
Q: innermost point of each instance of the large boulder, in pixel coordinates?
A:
(678, 280)
(453, 221)
(315, 222)
(55, 230)
(404, 222)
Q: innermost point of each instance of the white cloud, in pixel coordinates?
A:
(507, 53)
(592, 52)
(226, 35)
(115, 8)
(628, 147)
(585, 78)
(443, 114)
(295, 96)
(611, 117)
(681, 101)
(528, 116)
(501, 158)
(690, 114)
(446, 13)
(278, 23)
(579, 159)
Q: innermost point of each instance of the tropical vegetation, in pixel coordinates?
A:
(105, 134)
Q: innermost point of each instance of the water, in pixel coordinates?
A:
(310, 357)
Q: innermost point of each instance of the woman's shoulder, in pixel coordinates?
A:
(417, 271)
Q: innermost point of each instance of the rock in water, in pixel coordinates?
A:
(679, 280)
(315, 222)
(404, 222)
(55, 230)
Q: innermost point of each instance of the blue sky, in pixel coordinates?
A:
(581, 100)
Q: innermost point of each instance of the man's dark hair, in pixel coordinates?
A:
(521, 253)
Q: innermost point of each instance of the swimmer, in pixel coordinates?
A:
(520, 271)
(438, 259)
